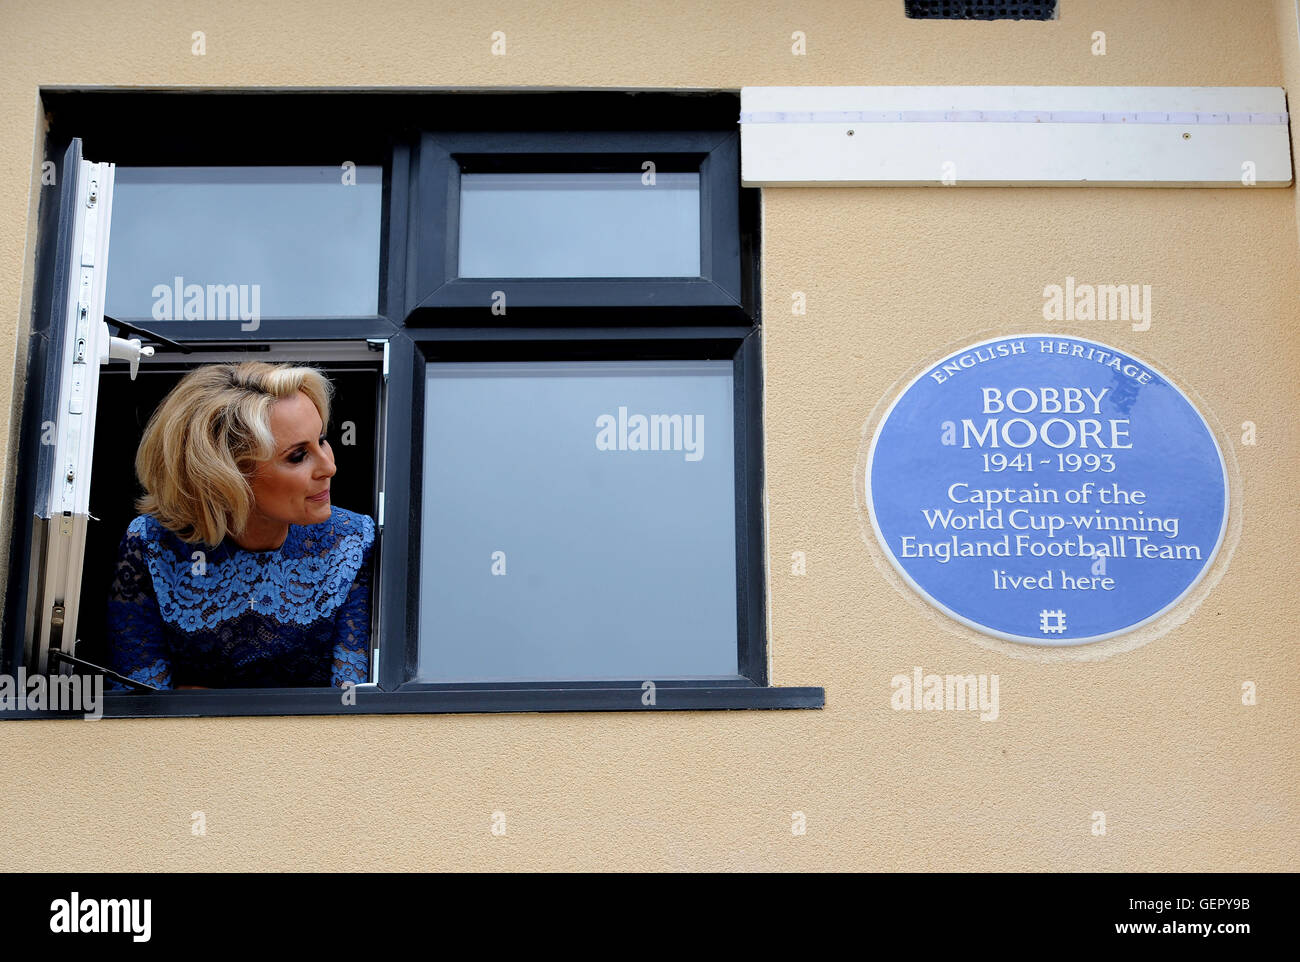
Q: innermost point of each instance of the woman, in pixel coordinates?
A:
(239, 573)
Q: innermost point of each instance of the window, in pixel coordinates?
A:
(541, 219)
(546, 354)
(296, 243)
(621, 530)
(578, 225)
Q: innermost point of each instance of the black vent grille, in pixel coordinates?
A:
(980, 9)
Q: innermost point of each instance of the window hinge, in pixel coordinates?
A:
(379, 521)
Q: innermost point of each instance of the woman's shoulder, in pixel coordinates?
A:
(351, 524)
(344, 531)
(148, 541)
(147, 535)
(145, 529)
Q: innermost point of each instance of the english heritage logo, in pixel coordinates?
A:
(1025, 448)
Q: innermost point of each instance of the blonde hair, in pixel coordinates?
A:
(203, 441)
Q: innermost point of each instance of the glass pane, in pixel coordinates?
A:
(608, 489)
(579, 225)
(201, 243)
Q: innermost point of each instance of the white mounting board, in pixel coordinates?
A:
(1014, 136)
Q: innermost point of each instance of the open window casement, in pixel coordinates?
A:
(71, 552)
(359, 414)
(81, 342)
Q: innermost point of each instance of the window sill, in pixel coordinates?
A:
(371, 701)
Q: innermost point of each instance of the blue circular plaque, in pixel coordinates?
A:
(1047, 489)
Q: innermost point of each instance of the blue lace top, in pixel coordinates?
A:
(227, 617)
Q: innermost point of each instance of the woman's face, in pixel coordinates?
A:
(293, 487)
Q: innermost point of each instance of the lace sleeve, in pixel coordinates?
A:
(135, 627)
(352, 630)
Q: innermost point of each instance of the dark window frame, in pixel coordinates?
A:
(392, 229)
(740, 346)
(714, 319)
(441, 158)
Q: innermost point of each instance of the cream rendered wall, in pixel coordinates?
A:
(1157, 737)
(1288, 31)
